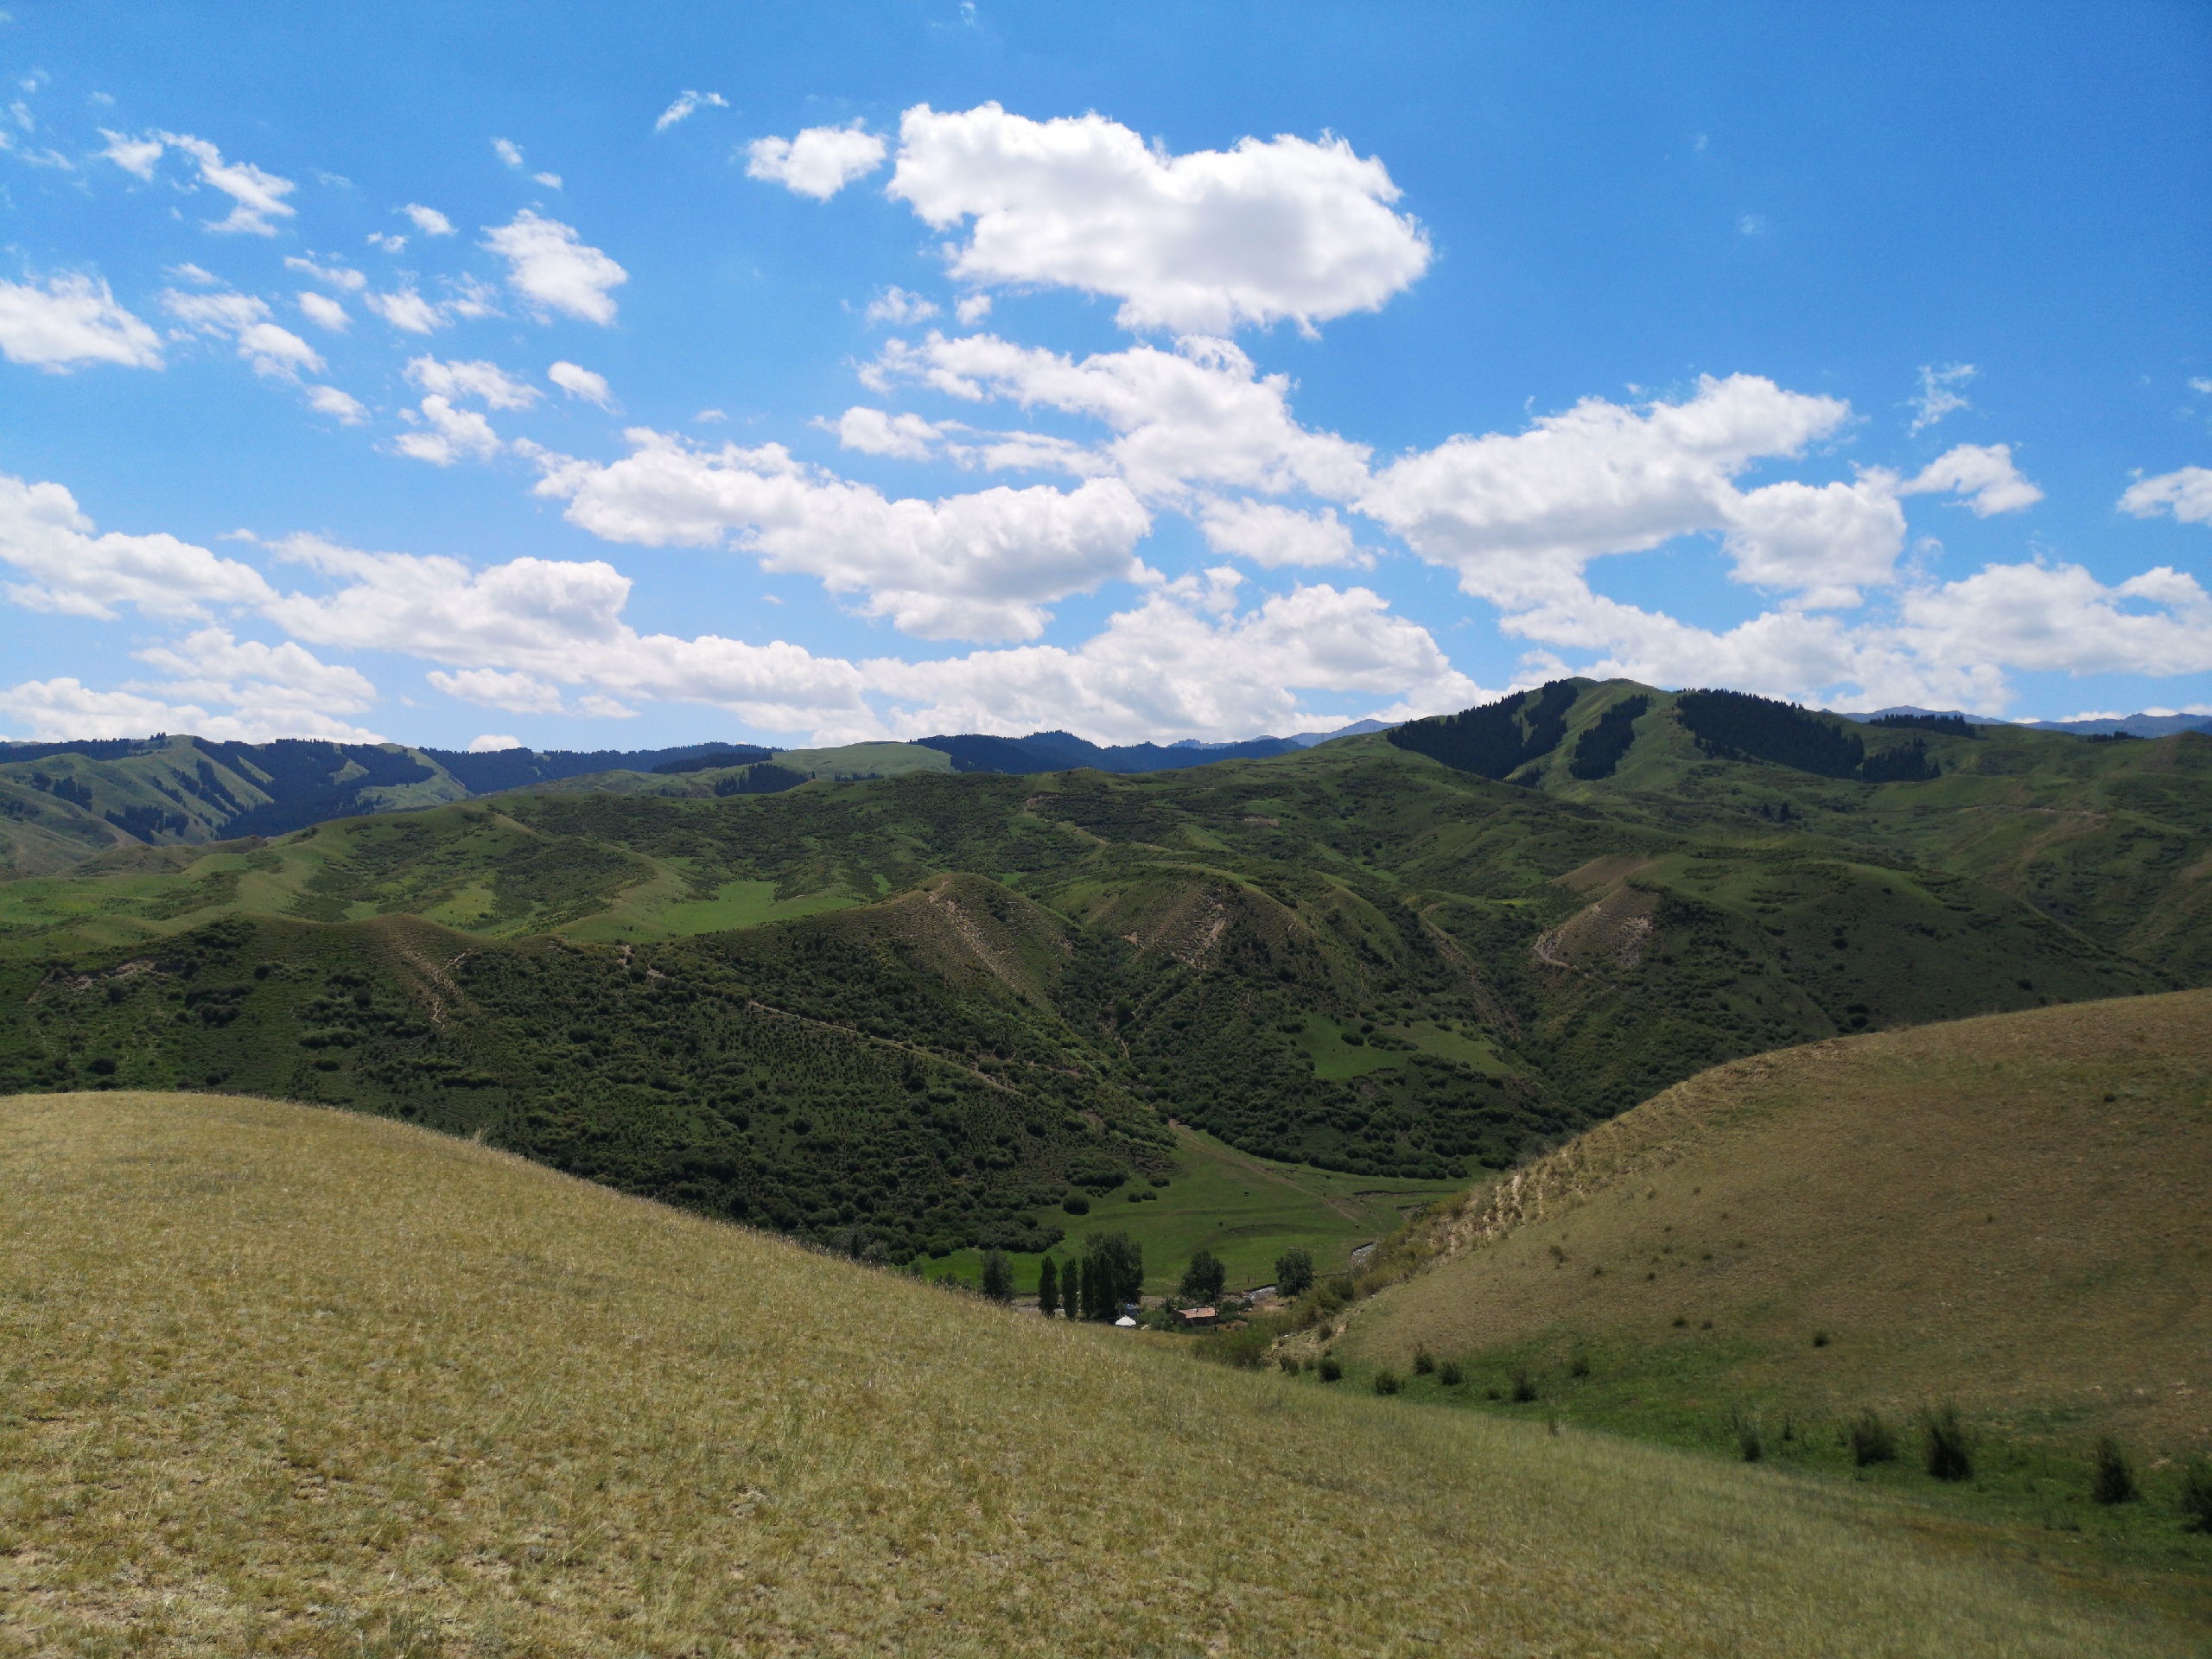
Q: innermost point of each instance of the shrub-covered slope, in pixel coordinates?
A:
(1357, 957)
(279, 1380)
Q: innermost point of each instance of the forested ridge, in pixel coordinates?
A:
(932, 1009)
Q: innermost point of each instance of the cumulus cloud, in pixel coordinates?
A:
(2186, 493)
(487, 382)
(324, 312)
(554, 270)
(819, 163)
(1520, 517)
(1271, 536)
(73, 572)
(134, 155)
(558, 621)
(342, 277)
(1283, 229)
(2059, 617)
(873, 432)
(1198, 415)
(452, 435)
(518, 694)
(897, 305)
(428, 220)
(1985, 475)
(328, 400)
(686, 104)
(581, 383)
(257, 197)
(493, 743)
(981, 566)
(1163, 670)
(508, 151)
(405, 309)
(274, 351)
(73, 320)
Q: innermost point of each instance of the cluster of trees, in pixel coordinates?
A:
(1098, 1284)
(1496, 738)
(1600, 749)
(1735, 726)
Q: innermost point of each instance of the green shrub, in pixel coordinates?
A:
(1946, 1449)
(1577, 1365)
(1424, 1361)
(1870, 1440)
(1750, 1445)
(998, 1276)
(1293, 1273)
(1450, 1375)
(2112, 1479)
(1076, 1205)
(1386, 1382)
(1331, 1368)
(1524, 1385)
(1204, 1278)
(2197, 1498)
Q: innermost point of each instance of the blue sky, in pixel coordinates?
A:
(618, 376)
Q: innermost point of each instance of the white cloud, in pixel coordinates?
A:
(2061, 618)
(560, 622)
(328, 400)
(1519, 517)
(256, 197)
(73, 320)
(507, 151)
(67, 709)
(1983, 474)
(406, 309)
(1273, 536)
(388, 241)
(2186, 493)
(1200, 415)
(1284, 229)
(897, 305)
(976, 566)
(136, 156)
(428, 220)
(342, 277)
(493, 743)
(2198, 383)
(819, 163)
(488, 382)
(871, 431)
(579, 382)
(277, 353)
(1936, 397)
(188, 272)
(454, 434)
(551, 180)
(1163, 670)
(75, 573)
(554, 271)
(210, 665)
(324, 312)
(518, 694)
(972, 308)
(686, 103)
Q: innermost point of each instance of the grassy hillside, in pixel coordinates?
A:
(284, 1380)
(2005, 1212)
(1356, 958)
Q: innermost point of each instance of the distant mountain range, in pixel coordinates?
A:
(2137, 725)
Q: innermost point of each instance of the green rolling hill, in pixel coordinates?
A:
(913, 1011)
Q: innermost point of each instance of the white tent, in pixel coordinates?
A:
(1126, 1323)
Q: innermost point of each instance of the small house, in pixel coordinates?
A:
(1196, 1319)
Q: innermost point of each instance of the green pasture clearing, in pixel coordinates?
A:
(1246, 1210)
(650, 911)
(1334, 1058)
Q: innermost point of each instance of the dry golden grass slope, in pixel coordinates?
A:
(2010, 1212)
(280, 1380)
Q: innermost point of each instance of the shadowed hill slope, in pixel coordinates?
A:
(287, 1380)
(2007, 1212)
